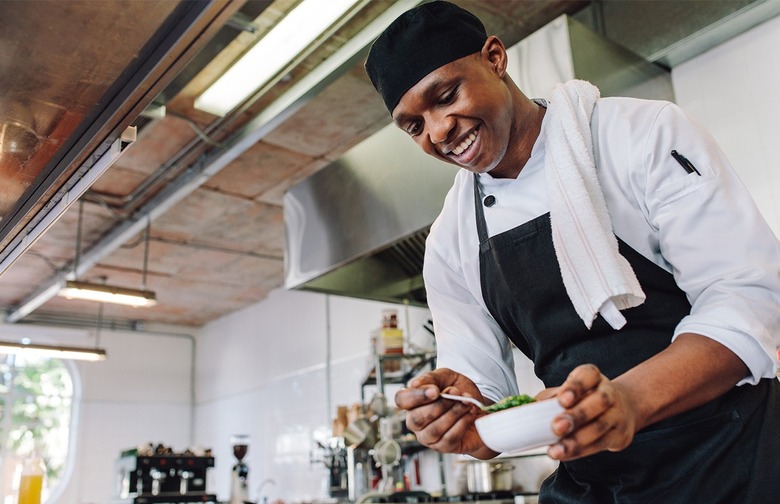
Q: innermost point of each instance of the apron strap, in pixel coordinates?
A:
(481, 225)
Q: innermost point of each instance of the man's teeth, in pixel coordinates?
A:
(465, 144)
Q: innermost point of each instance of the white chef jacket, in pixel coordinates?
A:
(704, 229)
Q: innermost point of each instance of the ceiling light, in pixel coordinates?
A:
(57, 352)
(103, 293)
(108, 294)
(53, 210)
(288, 39)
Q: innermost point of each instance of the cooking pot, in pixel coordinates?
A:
(361, 433)
(487, 476)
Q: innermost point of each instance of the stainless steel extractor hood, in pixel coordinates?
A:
(357, 228)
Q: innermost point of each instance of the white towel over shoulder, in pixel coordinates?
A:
(597, 278)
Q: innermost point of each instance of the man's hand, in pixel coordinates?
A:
(603, 414)
(600, 415)
(441, 424)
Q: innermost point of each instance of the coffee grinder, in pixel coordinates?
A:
(239, 484)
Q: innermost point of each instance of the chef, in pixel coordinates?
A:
(611, 242)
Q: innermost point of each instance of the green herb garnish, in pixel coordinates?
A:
(509, 402)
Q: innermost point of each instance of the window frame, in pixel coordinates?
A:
(55, 493)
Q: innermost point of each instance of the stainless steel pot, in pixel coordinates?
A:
(361, 433)
(487, 476)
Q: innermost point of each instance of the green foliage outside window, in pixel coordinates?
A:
(36, 399)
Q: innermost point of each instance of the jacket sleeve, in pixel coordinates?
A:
(468, 340)
(720, 249)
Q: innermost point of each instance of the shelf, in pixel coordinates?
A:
(401, 377)
(168, 498)
(418, 360)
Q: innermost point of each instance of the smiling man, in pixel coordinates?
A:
(589, 233)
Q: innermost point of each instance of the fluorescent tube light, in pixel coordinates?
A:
(292, 35)
(57, 352)
(108, 294)
(53, 210)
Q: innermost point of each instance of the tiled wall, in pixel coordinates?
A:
(263, 371)
(142, 393)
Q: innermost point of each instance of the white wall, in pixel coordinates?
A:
(141, 393)
(263, 371)
(732, 90)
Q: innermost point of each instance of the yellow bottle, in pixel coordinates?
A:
(31, 484)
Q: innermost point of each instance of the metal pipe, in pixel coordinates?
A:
(146, 253)
(78, 235)
(328, 366)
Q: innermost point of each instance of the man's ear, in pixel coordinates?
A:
(494, 52)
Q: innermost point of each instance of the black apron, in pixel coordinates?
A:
(725, 451)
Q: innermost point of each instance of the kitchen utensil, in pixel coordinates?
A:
(239, 476)
(360, 433)
(463, 399)
(387, 452)
(489, 476)
(520, 428)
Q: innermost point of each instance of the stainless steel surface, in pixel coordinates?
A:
(361, 433)
(357, 474)
(489, 476)
(71, 94)
(464, 399)
(381, 192)
(615, 70)
(670, 32)
(170, 477)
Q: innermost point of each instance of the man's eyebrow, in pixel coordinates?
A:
(429, 93)
(434, 86)
(401, 118)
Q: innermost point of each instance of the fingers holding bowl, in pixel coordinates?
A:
(520, 428)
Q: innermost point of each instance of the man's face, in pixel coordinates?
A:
(461, 113)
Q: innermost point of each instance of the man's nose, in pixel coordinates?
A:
(440, 128)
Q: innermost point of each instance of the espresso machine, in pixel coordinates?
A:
(239, 476)
(150, 475)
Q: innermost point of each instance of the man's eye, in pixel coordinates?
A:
(413, 128)
(449, 97)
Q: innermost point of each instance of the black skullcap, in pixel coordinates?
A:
(418, 42)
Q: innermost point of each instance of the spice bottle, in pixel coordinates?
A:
(391, 340)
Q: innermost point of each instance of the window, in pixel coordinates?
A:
(36, 402)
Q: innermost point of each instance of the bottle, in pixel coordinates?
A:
(391, 340)
(31, 483)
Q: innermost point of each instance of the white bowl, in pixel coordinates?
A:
(520, 428)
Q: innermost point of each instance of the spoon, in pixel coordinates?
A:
(463, 399)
